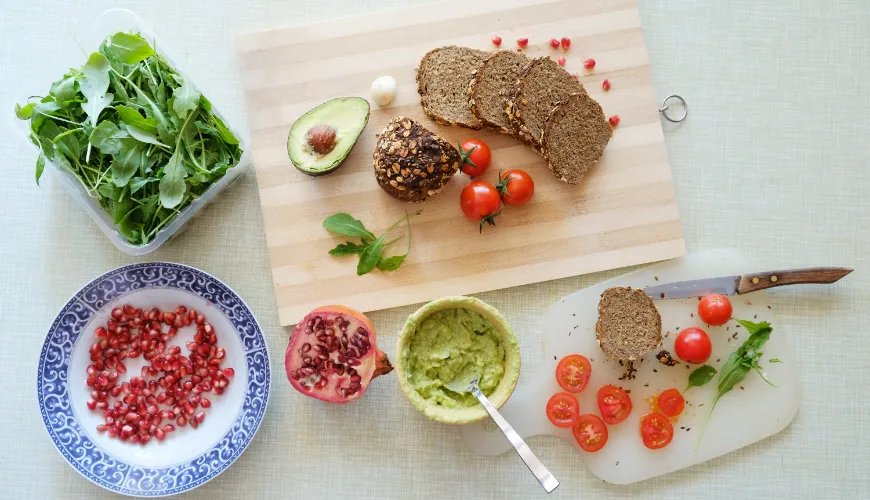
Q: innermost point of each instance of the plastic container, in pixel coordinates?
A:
(108, 23)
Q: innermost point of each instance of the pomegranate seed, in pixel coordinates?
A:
(554, 43)
(116, 313)
(193, 423)
(102, 405)
(200, 319)
(205, 403)
(102, 428)
(496, 40)
(561, 61)
(113, 432)
(120, 367)
(126, 431)
(189, 409)
(128, 310)
(169, 318)
(182, 421)
(566, 43)
(110, 420)
(218, 390)
(199, 417)
(116, 391)
(144, 438)
(133, 354)
(92, 405)
(180, 310)
(605, 85)
(160, 434)
(229, 372)
(522, 42)
(589, 63)
(168, 428)
(574, 76)
(101, 332)
(614, 120)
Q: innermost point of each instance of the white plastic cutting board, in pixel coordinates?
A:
(742, 417)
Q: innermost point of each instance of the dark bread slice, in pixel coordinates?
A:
(411, 163)
(442, 81)
(575, 136)
(541, 86)
(492, 85)
(629, 325)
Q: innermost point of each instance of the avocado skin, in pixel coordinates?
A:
(301, 164)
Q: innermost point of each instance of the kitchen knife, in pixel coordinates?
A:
(740, 284)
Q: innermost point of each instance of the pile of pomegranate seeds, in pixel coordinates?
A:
(140, 409)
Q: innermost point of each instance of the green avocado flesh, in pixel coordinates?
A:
(446, 343)
(347, 115)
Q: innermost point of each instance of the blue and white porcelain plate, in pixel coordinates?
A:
(187, 458)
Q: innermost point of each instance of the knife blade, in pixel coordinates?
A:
(745, 283)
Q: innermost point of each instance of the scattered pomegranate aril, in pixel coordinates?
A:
(561, 61)
(614, 120)
(496, 40)
(554, 43)
(605, 85)
(566, 43)
(589, 63)
(229, 372)
(522, 42)
(205, 403)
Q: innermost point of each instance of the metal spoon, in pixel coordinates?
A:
(466, 382)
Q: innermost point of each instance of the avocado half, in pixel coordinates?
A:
(346, 116)
(511, 362)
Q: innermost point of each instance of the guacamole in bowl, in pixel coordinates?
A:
(446, 337)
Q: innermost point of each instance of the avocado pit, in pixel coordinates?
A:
(321, 139)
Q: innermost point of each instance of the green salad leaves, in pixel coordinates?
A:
(371, 247)
(135, 134)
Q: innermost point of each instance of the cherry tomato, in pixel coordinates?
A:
(573, 372)
(480, 202)
(715, 309)
(476, 157)
(656, 431)
(563, 410)
(516, 187)
(614, 404)
(671, 403)
(590, 432)
(692, 345)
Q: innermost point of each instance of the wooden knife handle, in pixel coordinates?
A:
(760, 281)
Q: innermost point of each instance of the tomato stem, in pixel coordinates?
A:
(466, 157)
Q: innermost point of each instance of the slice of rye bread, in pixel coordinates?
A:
(629, 325)
(491, 87)
(411, 163)
(442, 81)
(575, 136)
(541, 86)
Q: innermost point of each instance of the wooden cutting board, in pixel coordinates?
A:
(749, 413)
(624, 212)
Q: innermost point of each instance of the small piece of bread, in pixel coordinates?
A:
(575, 136)
(629, 325)
(411, 163)
(542, 85)
(442, 81)
(491, 87)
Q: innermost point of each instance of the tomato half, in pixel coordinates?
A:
(671, 403)
(715, 309)
(590, 432)
(656, 431)
(692, 345)
(476, 157)
(573, 372)
(516, 187)
(480, 202)
(563, 410)
(614, 404)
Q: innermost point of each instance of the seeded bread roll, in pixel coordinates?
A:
(491, 87)
(541, 86)
(442, 81)
(629, 325)
(575, 136)
(411, 163)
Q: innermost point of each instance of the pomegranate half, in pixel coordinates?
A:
(333, 355)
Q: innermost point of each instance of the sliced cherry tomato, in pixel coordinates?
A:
(692, 345)
(671, 403)
(573, 372)
(590, 432)
(715, 309)
(516, 187)
(476, 157)
(614, 404)
(480, 202)
(563, 410)
(656, 431)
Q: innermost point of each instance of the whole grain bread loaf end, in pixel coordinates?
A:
(575, 135)
(629, 325)
(443, 78)
(541, 86)
(492, 85)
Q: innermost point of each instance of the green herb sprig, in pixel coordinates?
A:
(370, 249)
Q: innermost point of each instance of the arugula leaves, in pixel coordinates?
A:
(370, 249)
(135, 134)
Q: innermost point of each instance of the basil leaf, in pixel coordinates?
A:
(94, 83)
(753, 328)
(348, 248)
(107, 137)
(172, 186)
(344, 224)
(370, 256)
(133, 118)
(24, 112)
(700, 376)
(127, 48)
(391, 263)
(186, 99)
(40, 167)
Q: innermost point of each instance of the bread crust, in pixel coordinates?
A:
(601, 335)
(424, 92)
(547, 151)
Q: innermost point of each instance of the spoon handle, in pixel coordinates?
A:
(541, 473)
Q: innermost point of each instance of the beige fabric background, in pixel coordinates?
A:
(773, 160)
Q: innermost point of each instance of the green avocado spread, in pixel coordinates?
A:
(446, 343)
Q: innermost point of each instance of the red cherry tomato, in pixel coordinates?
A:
(692, 345)
(572, 373)
(590, 432)
(476, 157)
(563, 410)
(614, 404)
(480, 202)
(715, 309)
(671, 403)
(656, 431)
(516, 187)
